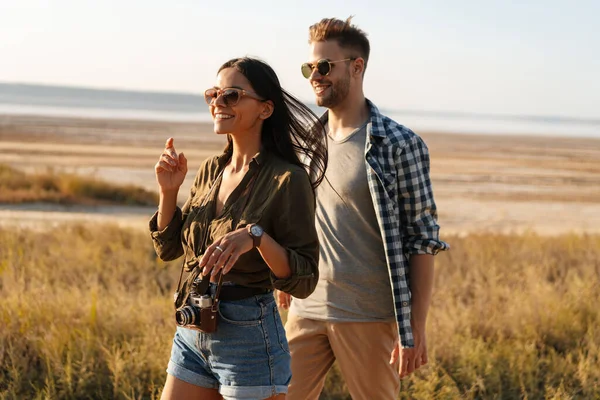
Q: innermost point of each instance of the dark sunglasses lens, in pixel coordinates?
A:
(323, 67)
(231, 97)
(306, 70)
(210, 95)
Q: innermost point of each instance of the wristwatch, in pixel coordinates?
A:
(256, 233)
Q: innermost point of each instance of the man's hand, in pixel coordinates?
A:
(283, 300)
(411, 359)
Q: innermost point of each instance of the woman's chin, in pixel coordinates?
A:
(220, 128)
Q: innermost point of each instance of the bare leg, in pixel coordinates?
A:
(176, 389)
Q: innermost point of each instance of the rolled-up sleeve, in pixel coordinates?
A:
(418, 212)
(295, 231)
(167, 242)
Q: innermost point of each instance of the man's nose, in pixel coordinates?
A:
(315, 75)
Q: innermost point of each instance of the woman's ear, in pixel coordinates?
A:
(267, 109)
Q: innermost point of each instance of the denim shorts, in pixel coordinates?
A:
(246, 358)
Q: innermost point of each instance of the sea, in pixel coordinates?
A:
(80, 102)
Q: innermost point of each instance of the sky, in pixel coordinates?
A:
(497, 57)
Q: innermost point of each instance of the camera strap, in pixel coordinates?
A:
(220, 284)
(179, 300)
(203, 286)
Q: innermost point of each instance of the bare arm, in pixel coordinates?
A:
(166, 207)
(238, 242)
(165, 224)
(421, 287)
(170, 172)
(275, 256)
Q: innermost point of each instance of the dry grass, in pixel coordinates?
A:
(86, 314)
(515, 317)
(51, 187)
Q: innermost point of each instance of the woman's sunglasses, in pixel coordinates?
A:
(231, 96)
(322, 66)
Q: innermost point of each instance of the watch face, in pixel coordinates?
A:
(256, 230)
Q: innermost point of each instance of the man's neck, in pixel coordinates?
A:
(347, 117)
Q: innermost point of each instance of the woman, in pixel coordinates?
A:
(248, 221)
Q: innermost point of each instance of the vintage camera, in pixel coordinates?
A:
(200, 312)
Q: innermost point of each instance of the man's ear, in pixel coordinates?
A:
(267, 109)
(359, 66)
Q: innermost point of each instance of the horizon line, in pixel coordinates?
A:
(421, 112)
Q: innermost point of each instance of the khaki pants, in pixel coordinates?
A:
(362, 350)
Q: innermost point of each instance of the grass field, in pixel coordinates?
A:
(18, 187)
(85, 313)
(85, 310)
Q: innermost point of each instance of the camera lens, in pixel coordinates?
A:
(187, 315)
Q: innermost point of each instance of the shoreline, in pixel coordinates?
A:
(480, 182)
(6, 119)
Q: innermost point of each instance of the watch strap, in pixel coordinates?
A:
(255, 239)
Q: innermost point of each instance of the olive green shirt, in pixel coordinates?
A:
(281, 200)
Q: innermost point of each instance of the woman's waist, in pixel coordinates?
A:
(233, 291)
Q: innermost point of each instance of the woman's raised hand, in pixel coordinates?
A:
(171, 168)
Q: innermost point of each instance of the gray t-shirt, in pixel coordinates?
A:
(354, 283)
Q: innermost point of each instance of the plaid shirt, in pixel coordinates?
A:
(397, 162)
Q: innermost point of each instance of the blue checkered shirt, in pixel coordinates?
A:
(397, 162)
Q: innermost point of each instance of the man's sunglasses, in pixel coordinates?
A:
(231, 96)
(322, 66)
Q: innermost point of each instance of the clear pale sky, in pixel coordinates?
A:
(540, 58)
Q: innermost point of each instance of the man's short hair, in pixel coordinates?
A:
(347, 36)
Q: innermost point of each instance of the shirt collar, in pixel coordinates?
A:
(258, 160)
(375, 126)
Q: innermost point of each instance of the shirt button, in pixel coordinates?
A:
(405, 304)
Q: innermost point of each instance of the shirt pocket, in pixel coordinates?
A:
(255, 213)
(384, 172)
(390, 181)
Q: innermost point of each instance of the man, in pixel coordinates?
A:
(377, 225)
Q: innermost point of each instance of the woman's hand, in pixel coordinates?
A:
(224, 253)
(170, 169)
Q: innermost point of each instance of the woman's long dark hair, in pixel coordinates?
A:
(293, 131)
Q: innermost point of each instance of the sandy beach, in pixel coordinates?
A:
(482, 183)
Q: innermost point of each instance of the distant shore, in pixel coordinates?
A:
(481, 183)
(75, 101)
